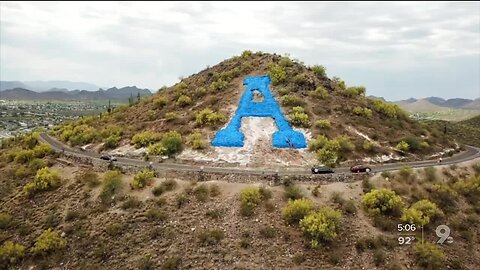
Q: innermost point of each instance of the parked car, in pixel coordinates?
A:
(322, 170)
(360, 168)
(108, 157)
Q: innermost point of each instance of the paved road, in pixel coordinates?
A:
(469, 154)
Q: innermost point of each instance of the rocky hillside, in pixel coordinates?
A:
(339, 121)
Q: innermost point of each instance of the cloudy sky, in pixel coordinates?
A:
(396, 50)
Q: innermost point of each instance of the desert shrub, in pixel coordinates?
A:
(383, 202)
(154, 214)
(201, 193)
(172, 142)
(390, 110)
(246, 54)
(277, 74)
(24, 156)
(476, 168)
(368, 146)
(158, 190)
(323, 124)
(363, 112)
(156, 149)
(421, 213)
(265, 193)
(386, 175)
(320, 93)
(299, 118)
(405, 172)
(111, 130)
(355, 91)
(319, 70)
(145, 139)
(321, 226)
(215, 191)
(111, 185)
(10, 254)
(181, 199)
(367, 185)
(146, 263)
(293, 192)
(345, 144)
(318, 143)
(169, 184)
(196, 141)
(339, 83)
(337, 197)
(296, 210)
(90, 178)
(316, 191)
(82, 134)
(430, 174)
(370, 242)
(183, 101)
(142, 179)
(42, 150)
(211, 236)
(268, 231)
(111, 141)
(292, 101)
(49, 241)
(469, 188)
(209, 117)
(170, 116)
(5, 220)
(215, 213)
(328, 155)
(250, 198)
(444, 196)
(21, 172)
(171, 263)
(160, 102)
(349, 207)
(429, 256)
(218, 85)
(45, 179)
(114, 229)
(131, 202)
(30, 140)
(402, 146)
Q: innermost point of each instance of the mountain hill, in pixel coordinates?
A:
(120, 94)
(43, 86)
(426, 104)
(198, 106)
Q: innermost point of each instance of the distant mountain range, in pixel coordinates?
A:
(432, 104)
(43, 86)
(119, 94)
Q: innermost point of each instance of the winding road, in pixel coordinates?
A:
(469, 154)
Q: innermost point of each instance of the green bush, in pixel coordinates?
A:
(183, 101)
(368, 146)
(49, 241)
(445, 197)
(172, 141)
(181, 199)
(114, 229)
(171, 263)
(142, 179)
(10, 254)
(250, 198)
(22, 172)
(296, 210)
(293, 192)
(112, 184)
(145, 139)
(277, 74)
(160, 102)
(383, 202)
(345, 144)
(355, 91)
(5, 220)
(42, 150)
(367, 185)
(421, 213)
(469, 188)
(402, 146)
(24, 156)
(156, 149)
(218, 85)
(155, 214)
(201, 192)
(319, 70)
(246, 54)
(292, 101)
(268, 231)
(320, 93)
(111, 142)
(196, 141)
(388, 109)
(323, 124)
(299, 118)
(364, 112)
(88, 177)
(318, 143)
(339, 83)
(45, 179)
(209, 117)
(211, 236)
(429, 256)
(321, 226)
(170, 116)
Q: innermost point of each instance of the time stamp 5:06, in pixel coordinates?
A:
(407, 236)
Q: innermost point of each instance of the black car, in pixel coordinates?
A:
(360, 168)
(322, 170)
(108, 157)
